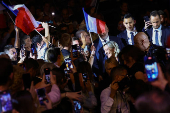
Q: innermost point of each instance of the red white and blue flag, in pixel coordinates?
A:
(93, 24)
(24, 19)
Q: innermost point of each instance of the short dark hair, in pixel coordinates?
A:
(60, 75)
(116, 71)
(75, 38)
(128, 15)
(25, 102)
(30, 63)
(52, 54)
(65, 40)
(154, 13)
(78, 33)
(161, 12)
(24, 38)
(36, 39)
(6, 69)
(132, 51)
(7, 48)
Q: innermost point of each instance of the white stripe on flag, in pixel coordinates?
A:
(92, 24)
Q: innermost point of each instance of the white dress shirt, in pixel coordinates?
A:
(103, 42)
(109, 105)
(41, 52)
(129, 35)
(159, 35)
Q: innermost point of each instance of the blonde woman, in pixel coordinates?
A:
(111, 48)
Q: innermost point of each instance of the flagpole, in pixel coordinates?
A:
(41, 35)
(11, 18)
(91, 37)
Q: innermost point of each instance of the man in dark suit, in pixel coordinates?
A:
(100, 56)
(158, 33)
(127, 35)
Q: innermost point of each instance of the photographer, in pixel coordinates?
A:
(112, 99)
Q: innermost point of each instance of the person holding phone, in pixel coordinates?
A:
(112, 99)
(42, 43)
(158, 33)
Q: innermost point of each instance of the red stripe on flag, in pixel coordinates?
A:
(23, 21)
(100, 26)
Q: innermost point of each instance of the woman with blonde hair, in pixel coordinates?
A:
(111, 48)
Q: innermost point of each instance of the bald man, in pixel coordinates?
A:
(142, 42)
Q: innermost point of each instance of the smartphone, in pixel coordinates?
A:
(41, 95)
(77, 106)
(47, 75)
(27, 80)
(74, 51)
(67, 74)
(146, 18)
(33, 49)
(151, 68)
(84, 77)
(22, 50)
(168, 52)
(6, 103)
(68, 64)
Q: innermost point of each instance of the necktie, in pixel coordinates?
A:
(156, 37)
(132, 37)
(105, 41)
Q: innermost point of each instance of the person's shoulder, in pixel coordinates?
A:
(122, 33)
(106, 90)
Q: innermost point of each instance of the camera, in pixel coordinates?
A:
(124, 83)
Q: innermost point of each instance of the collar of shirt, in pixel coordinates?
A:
(159, 35)
(134, 32)
(103, 42)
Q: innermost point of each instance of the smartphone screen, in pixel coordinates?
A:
(6, 103)
(67, 74)
(47, 75)
(74, 51)
(84, 77)
(33, 49)
(27, 80)
(41, 95)
(68, 64)
(77, 106)
(151, 68)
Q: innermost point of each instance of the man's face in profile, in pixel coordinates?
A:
(156, 21)
(12, 53)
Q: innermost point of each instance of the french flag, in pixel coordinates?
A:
(24, 19)
(93, 24)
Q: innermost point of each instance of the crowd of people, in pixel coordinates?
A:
(125, 69)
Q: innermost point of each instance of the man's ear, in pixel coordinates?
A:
(134, 21)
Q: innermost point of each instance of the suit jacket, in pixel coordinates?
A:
(100, 57)
(165, 34)
(123, 37)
